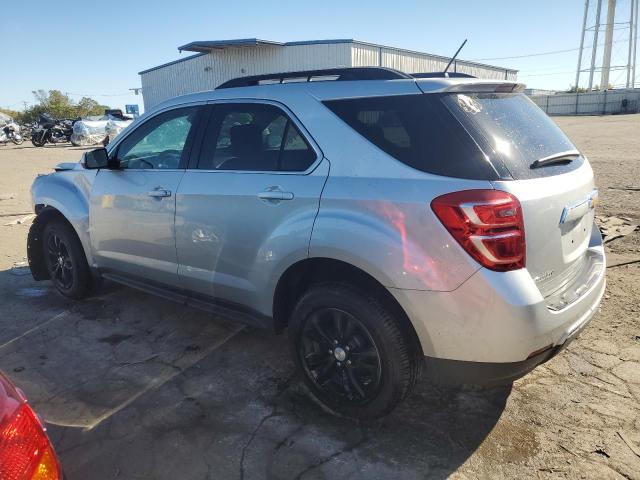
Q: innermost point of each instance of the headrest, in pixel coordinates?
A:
(246, 140)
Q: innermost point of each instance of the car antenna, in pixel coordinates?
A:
(454, 57)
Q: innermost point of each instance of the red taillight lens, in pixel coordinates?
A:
(488, 224)
(25, 451)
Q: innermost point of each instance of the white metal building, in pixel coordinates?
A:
(220, 60)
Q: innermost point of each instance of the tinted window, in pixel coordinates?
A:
(513, 131)
(254, 137)
(160, 142)
(417, 130)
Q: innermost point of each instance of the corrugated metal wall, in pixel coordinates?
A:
(205, 72)
(592, 103)
(366, 55)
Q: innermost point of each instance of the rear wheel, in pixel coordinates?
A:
(65, 260)
(355, 357)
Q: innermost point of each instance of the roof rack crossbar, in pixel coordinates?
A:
(357, 73)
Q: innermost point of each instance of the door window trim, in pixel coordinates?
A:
(201, 116)
(195, 159)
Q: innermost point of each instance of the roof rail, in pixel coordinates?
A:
(441, 75)
(357, 73)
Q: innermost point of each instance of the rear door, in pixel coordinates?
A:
(545, 171)
(132, 209)
(246, 210)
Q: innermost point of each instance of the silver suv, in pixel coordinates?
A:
(391, 223)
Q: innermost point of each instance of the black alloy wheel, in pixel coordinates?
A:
(357, 355)
(59, 262)
(65, 260)
(340, 356)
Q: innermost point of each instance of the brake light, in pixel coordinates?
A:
(25, 451)
(488, 224)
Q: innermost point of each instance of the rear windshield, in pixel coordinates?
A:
(477, 136)
(512, 130)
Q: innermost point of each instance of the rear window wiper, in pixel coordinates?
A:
(556, 158)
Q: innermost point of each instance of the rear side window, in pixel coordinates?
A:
(418, 130)
(513, 131)
(254, 137)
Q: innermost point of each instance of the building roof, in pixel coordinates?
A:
(207, 46)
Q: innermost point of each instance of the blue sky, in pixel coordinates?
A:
(97, 48)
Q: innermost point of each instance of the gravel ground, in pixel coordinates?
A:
(134, 387)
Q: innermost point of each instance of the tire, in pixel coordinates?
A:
(38, 142)
(65, 260)
(373, 366)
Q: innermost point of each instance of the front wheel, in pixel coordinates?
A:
(65, 260)
(38, 140)
(353, 353)
(17, 139)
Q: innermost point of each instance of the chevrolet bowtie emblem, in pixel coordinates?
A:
(579, 209)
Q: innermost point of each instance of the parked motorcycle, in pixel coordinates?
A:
(10, 132)
(52, 131)
(26, 129)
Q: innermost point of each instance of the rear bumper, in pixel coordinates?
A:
(456, 372)
(497, 325)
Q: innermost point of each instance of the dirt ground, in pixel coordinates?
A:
(134, 387)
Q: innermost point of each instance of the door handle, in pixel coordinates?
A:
(159, 193)
(275, 195)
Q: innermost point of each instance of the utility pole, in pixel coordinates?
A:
(635, 47)
(608, 40)
(631, 31)
(594, 49)
(609, 60)
(584, 27)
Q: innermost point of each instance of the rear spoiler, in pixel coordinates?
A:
(469, 86)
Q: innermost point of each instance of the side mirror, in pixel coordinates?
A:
(99, 158)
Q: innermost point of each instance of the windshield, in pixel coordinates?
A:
(513, 131)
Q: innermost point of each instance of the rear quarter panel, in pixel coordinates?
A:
(385, 226)
(375, 212)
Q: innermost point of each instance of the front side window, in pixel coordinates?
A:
(158, 143)
(254, 137)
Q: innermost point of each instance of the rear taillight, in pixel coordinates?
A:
(488, 224)
(25, 451)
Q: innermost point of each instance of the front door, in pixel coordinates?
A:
(248, 207)
(132, 209)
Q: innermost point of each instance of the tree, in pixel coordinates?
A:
(17, 116)
(59, 105)
(88, 106)
(596, 88)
